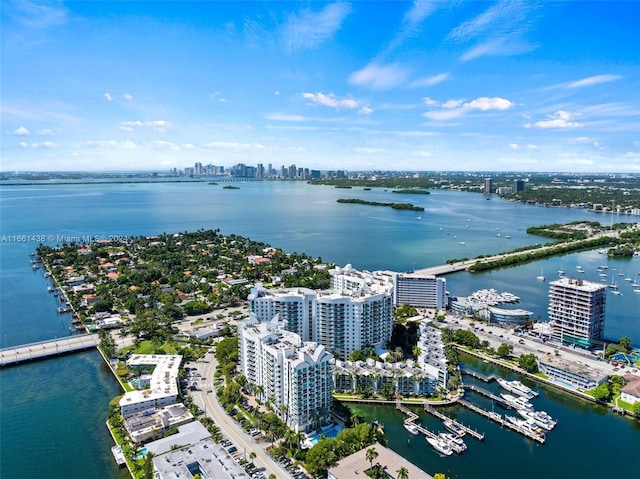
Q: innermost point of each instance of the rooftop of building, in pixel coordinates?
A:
(204, 457)
(353, 466)
(163, 379)
(578, 283)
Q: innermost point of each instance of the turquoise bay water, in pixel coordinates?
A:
(52, 397)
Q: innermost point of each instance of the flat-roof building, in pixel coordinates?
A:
(355, 313)
(355, 465)
(576, 311)
(163, 386)
(424, 291)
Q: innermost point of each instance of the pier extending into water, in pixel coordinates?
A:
(540, 438)
(488, 394)
(46, 349)
(411, 418)
(443, 417)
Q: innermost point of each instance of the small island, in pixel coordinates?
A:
(411, 192)
(395, 206)
(230, 187)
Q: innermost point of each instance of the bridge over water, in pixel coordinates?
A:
(45, 349)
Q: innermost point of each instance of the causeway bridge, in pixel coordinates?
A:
(45, 349)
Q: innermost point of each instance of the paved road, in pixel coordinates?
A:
(246, 444)
(531, 345)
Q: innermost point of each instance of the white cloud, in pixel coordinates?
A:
(430, 101)
(48, 145)
(45, 132)
(158, 126)
(276, 92)
(498, 30)
(636, 144)
(231, 145)
(164, 146)
(283, 117)
(594, 80)
(309, 29)
(449, 114)
(130, 145)
(20, 131)
(429, 81)
(560, 119)
(366, 151)
(23, 144)
(485, 103)
(452, 103)
(514, 146)
(330, 100)
(189, 146)
(294, 149)
(379, 77)
(365, 110)
(127, 96)
(532, 147)
(108, 96)
(411, 21)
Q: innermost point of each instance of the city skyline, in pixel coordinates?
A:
(424, 85)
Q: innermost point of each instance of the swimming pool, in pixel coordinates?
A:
(327, 431)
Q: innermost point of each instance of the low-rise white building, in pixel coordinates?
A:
(153, 423)
(162, 383)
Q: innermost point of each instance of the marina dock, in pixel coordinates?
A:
(411, 418)
(487, 394)
(45, 349)
(473, 433)
(540, 438)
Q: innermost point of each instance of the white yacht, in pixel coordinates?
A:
(517, 387)
(440, 446)
(526, 425)
(541, 418)
(454, 427)
(454, 441)
(412, 428)
(517, 402)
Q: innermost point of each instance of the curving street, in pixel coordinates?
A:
(205, 397)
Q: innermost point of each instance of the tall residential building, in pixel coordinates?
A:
(295, 375)
(424, 291)
(356, 313)
(576, 311)
(488, 186)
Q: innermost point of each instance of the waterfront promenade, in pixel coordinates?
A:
(45, 349)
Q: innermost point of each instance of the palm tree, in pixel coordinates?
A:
(252, 456)
(371, 454)
(403, 473)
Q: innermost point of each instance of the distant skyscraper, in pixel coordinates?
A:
(488, 186)
(518, 185)
(576, 311)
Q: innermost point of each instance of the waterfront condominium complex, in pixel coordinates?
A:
(423, 291)
(357, 311)
(576, 311)
(295, 376)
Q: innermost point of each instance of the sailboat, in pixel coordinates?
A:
(541, 277)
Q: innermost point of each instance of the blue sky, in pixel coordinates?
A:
(424, 85)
